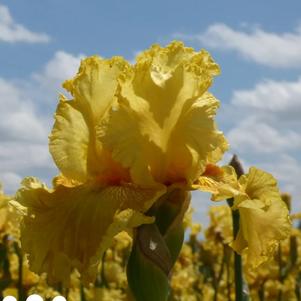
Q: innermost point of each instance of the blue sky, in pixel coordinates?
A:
(256, 43)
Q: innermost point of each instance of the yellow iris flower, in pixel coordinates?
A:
(3, 209)
(264, 217)
(220, 228)
(9, 219)
(128, 134)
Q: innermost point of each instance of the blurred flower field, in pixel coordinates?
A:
(203, 271)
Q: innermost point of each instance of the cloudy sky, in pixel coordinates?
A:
(257, 44)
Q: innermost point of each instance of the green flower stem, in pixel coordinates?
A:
(261, 292)
(103, 275)
(82, 293)
(238, 273)
(21, 293)
(4, 266)
(297, 287)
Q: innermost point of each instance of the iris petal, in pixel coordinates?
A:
(70, 227)
(73, 144)
(163, 128)
(264, 217)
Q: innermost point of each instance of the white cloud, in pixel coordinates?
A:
(62, 66)
(20, 156)
(12, 32)
(269, 117)
(26, 118)
(23, 136)
(254, 135)
(287, 171)
(11, 180)
(266, 130)
(281, 97)
(267, 48)
(18, 119)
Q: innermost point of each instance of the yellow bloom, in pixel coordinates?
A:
(128, 134)
(184, 277)
(163, 128)
(264, 217)
(28, 278)
(220, 228)
(72, 226)
(10, 292)
(108, 294)
(9, 219)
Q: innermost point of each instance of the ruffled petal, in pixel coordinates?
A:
(70, 227)
(261, 229)
(217, 154)
(73, 144)
(70, 142)
(220, 181)
(264, 217)
(163, 128)
(194, 139)
(95, 84)
(259, 184)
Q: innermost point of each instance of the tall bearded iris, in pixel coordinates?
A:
(129, 136)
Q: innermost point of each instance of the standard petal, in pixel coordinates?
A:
(73, 144)
(164, 125)
(70, 227)
(195, 139)
(95, 84)
(69, 142)
(126, 135)
(217, 154)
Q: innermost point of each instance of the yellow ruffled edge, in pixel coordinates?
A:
(261, 197)
(34, 204)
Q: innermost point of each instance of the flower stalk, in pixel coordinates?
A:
(21, 293)
(239, 296)
(238, 271)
